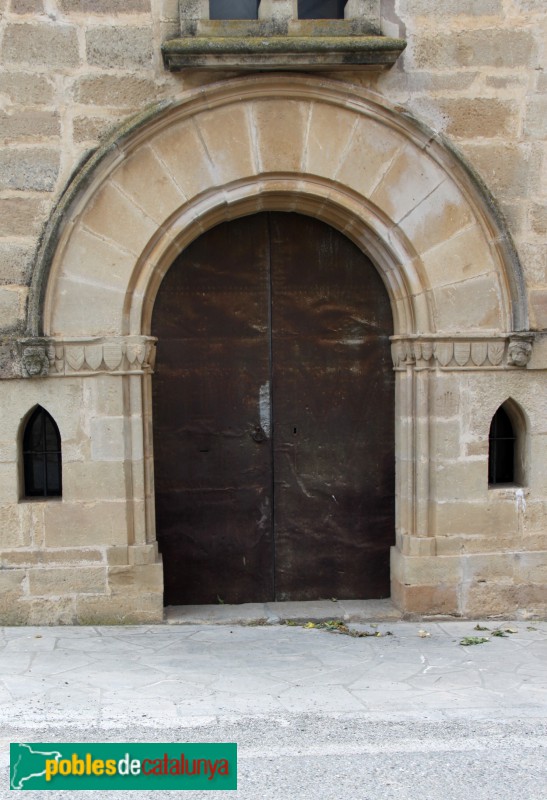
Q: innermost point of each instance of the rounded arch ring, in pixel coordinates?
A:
(278, 141)
(334, 205)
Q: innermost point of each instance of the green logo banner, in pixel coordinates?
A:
(35, 766)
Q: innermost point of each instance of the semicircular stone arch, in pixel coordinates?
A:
(279, 142)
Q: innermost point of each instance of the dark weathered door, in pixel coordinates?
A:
(273, 416)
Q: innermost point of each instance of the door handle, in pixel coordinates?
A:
(258, 435)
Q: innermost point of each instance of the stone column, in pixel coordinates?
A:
(404, 437)
(363, 9)
(193, 10)
(421, 450)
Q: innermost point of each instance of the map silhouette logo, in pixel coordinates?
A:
(100, 766)
(28, 765)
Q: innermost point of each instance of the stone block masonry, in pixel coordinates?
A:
(41, 45)
(69, 73)
(72, 71)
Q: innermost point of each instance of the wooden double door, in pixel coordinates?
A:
(273, 408)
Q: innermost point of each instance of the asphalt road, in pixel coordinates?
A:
(318, 757)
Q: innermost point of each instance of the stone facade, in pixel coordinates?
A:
(111, 165)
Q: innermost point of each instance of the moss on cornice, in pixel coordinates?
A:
(310, 52)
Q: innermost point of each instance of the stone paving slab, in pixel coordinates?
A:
(179, 671)
(403, 713)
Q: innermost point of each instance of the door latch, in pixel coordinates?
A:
(258, 435)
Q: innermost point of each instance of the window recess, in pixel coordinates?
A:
(233, 9)
(250, 35)
(42, 461)
(507, 446)
(321, 9)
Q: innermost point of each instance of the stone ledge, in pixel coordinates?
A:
(281, 52)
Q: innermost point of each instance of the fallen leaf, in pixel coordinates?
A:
(510, 630)
(423, 634)
(469, 640)
(337, 626)
(531, 628)
(332, 624)
(480, 628)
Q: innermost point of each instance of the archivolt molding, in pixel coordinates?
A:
(333, 150)
(332, 203)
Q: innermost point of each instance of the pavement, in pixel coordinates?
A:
(403, 712)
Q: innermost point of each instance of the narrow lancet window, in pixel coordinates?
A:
(42, 456)
(321, 9)
(501, 450)
(233, 9)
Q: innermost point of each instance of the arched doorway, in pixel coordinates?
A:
(334, 152)
(273, 416)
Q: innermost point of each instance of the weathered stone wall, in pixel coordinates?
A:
(475, 71)
(72, 71)
(485, 547)
(78, 559)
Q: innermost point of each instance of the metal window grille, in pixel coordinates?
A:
(42, 456)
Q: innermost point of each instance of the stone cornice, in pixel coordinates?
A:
(278, 40)
(281, 52)
(41, 357)
(462, 352)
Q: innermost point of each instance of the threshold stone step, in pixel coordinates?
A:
(274, 613)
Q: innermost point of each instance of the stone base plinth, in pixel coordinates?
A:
(471, 585)
(90, 592)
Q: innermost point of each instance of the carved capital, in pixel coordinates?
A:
(520, 349)
(34, 359)
(456, 353)
(58, 358)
